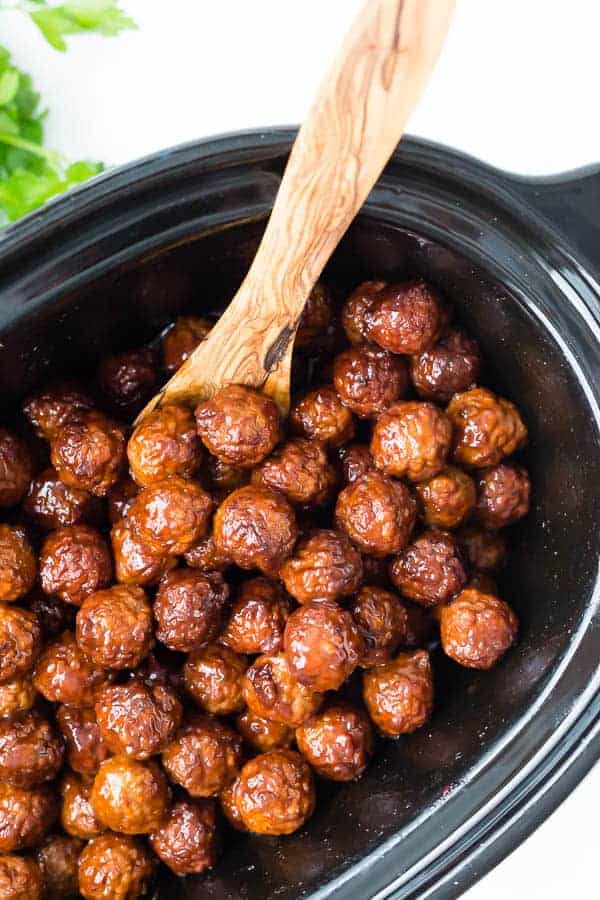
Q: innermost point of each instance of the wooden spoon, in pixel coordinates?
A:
(352, 129)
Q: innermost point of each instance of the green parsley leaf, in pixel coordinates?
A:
(99, 16)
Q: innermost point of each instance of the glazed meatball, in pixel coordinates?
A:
(20, 878)
(411, 440)
(114, 867)
(263, 734)
(165, 443)
(77, 815)
(20, 640)
(119, 499)
(377, 512)
(337, 742)
(16, 468)
(205, 756)
(239, 425)
(63, 674)
(448, 498)
(477, 628)
(88, 452)
(355, 461)
(485, 550)
(450, 366)
(58, 859)
(136, 720)
(74, 562)
(486, 428)
(316, 317)
(322, 645)
(130, 796)
(187, 840)
(213, 678)
(135, 561)
(182, 339)
(171, 515)
(257, 618)
(405, 318)
(128, 379)
(81, 732)
(114, 627)
(325, 566)
(382, 623)
(275, 793)
(189, 608)
(369, 379)
(206, 557)
(399, 694)
(321, 416)
(256, 528)
(431, 569)
(503, 493)
(31, 752)
(17, 563)
(51, 409)
(51, 504)
(300, 470)
(355, 307)
(272, 692)
(17, 695)
(25, 816)
(229, 807)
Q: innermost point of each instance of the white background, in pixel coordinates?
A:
(517, 85)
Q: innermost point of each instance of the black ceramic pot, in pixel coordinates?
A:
(109, 264)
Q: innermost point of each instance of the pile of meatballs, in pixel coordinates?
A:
(199, 617)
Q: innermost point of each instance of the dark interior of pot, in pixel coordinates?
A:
(552, 567)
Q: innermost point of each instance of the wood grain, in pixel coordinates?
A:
(352, 129)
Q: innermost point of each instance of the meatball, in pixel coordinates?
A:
(77, 816)
(128, 379)
(321, 416)
(337, 742)
(477, 628)
(31, 752)
(16, 468)
(20, 878)
(355, 307)
(135, 561)
(20, 641)
(256, 528)
(181, 340)
(206, 557)
(130, 796)
(17, 563)
(300, 470)
(119, 498)
(382, 623)
(213, 678)
(229, 807)
(257, 618)
(74, 562)
(25, 816)
(239, 425)
(263, 734)
(405, 318)
(58, 859)
(88, 452)
(63, 674)
(224, 477)
(189, 608)
(399, 694)
(114, 627)
(275, 793)
(369, 379)
(411, 440)
(486, 428)
(322, 645)
(51, 409)
(171, 515)
(114, 867)
(325, 566)
(165, 443)
(205, 756)
(136, 720)
(355, 461)
(51, 504)
(187, 841)
(485, 550)
(17, 695)
(431, 569)
(272, 692)
(377, 513)
(81, 732)
(503, 493)
(316, 317)
(448, 498)
(450, 366)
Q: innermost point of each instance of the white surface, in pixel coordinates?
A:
(517, 85)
